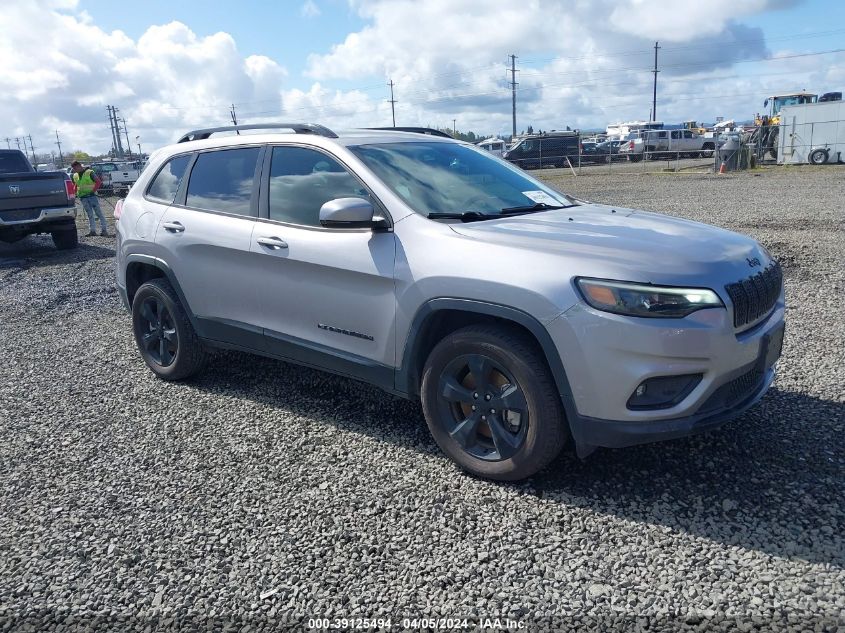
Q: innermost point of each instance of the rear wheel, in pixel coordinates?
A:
(164, 334)
(635, 158)
(818, 156)
(491, 403)
(65, 240)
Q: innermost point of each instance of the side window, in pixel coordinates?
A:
(661, 135)
(676, 134)
(222, 180)
(166, 183)
(687, 134)
(302, 180)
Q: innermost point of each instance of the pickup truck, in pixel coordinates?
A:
(117, 177)
(35, 202)
(667, 144)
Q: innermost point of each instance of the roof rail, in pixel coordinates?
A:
(298, 128)
(416, 130)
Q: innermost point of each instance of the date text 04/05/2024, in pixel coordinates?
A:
(414, 623)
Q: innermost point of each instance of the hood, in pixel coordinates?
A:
(626, 244)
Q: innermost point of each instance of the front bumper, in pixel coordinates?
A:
(606, 356)
(592, 432)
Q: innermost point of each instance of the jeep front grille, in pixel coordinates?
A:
(755, 296)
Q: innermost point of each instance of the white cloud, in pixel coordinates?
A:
(581, 64)
(309, 9)
(63, 74)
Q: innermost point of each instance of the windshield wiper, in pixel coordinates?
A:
(463, 216)
(533, 208)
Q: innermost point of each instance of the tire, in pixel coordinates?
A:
(818, 157)
(772, 142)
(172, 349)
(635, 158)
(65, 240)
(708, 150)
(647, 155)
(504, 443)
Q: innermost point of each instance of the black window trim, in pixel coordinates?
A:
(151, 198)
(182, 195)
(264, 195)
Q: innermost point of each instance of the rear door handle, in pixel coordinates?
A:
(273, 243)
(173, 227)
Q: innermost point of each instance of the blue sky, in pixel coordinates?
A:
(276, 29)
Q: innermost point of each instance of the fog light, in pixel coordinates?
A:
(662, 392)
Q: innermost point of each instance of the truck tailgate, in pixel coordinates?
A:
(33, 191)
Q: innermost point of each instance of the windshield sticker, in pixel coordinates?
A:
(540, 197)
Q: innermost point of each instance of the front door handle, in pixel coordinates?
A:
(173, 227)
(273, 243)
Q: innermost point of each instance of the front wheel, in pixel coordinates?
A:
(164, 334)
(491, 403)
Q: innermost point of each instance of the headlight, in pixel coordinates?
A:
(645, 301)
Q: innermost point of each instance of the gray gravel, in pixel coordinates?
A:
(263, 494)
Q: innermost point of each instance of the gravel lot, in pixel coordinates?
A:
(263, 494)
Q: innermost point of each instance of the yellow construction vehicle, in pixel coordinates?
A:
(776, 102)
(694, 127)
(766, 134)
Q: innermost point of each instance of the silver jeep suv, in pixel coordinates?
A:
(519, 316)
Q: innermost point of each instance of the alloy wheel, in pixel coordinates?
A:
(482, 407)
(157, 335)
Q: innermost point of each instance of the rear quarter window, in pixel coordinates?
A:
(166, 182)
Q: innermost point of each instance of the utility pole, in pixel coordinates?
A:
(126, 131)
(117, 132)
(18, 141)
(513, 92)
(31, 148)
(111, 127)
(234, 116)
(138, 140)
(654, 94)
(59, 143)
(392, 103)
(8, 143)
(454, 129)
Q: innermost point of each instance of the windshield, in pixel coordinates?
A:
(434, 178)
(791, 100)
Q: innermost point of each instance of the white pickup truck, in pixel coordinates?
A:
(667, 144)
(117, 176)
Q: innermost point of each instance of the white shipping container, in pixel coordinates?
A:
(812, 133)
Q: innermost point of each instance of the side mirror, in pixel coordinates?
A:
(350, 213)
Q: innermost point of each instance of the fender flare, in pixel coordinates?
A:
(149, 260)
(408, 382)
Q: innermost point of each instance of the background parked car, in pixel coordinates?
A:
(548, 149)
